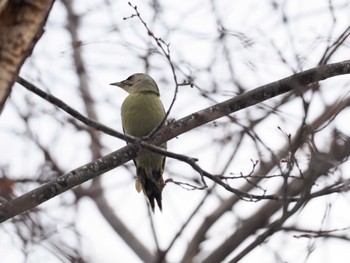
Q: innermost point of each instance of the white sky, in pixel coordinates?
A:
(111, 56)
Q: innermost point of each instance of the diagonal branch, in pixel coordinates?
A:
(110, 161)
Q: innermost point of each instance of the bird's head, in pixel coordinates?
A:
(138, 82)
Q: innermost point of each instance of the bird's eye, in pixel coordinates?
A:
(130, 78)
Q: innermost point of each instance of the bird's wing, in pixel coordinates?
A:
(138, 184)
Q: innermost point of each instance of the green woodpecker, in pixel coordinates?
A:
(142, 111)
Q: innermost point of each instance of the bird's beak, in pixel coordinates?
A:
(125, 85)
(119, 84)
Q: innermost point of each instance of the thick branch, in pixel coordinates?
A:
(250, 98)
(108, 162)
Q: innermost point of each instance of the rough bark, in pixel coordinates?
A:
(21, 25)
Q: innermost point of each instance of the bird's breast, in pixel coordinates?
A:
(141, 113)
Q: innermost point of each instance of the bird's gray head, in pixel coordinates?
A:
(138, 82)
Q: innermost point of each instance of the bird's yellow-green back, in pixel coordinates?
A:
(142, 111)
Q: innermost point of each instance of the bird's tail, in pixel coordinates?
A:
(152, 188)
(153, 191)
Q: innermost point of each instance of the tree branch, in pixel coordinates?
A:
(110, 161)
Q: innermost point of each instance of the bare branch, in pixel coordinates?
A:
(108, 162)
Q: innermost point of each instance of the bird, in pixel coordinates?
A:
(142, 112)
